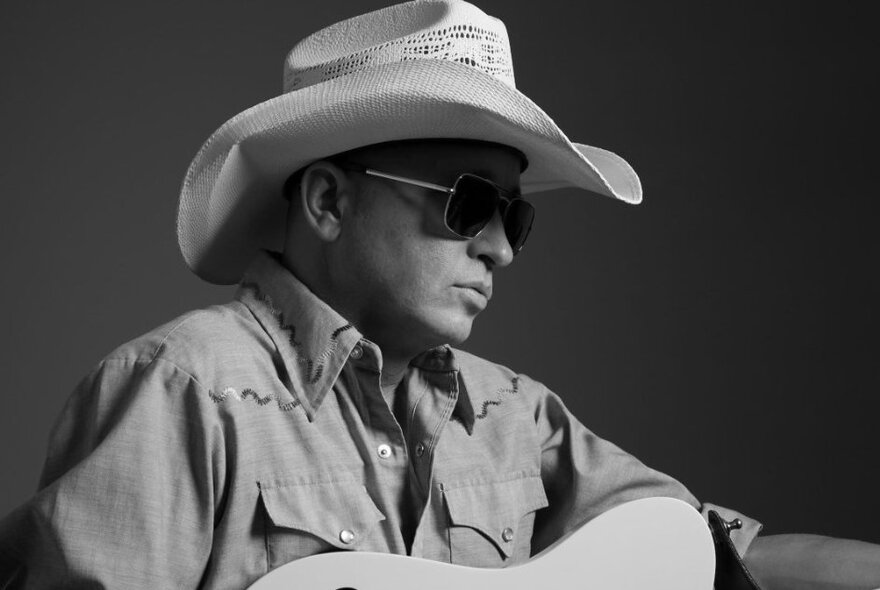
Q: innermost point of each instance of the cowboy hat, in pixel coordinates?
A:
(418, 70)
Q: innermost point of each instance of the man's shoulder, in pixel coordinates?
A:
(199, 342)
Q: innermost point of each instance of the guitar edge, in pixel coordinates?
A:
(656, 543)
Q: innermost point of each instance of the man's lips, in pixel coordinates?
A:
(484, 289)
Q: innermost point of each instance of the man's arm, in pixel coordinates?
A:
(808, 562)
(127, 494)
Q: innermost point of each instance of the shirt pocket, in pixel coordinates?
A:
(491, 522)
(303, 519)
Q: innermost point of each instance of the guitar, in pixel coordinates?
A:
(654, 543)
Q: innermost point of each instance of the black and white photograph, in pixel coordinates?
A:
(439, 294)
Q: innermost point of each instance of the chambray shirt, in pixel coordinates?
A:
(240, 437)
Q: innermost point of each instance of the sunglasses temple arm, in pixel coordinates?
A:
(428, 185)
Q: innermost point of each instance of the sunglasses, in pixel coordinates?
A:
(471, 204)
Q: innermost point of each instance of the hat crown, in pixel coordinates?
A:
(450, 30)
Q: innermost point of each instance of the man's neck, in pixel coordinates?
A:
(394, 360)
(389, 381)
(393, 372)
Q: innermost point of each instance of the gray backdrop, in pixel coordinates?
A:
(725, 331)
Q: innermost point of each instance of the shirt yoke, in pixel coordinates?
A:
(213, 345)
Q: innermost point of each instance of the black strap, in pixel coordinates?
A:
(730, 571)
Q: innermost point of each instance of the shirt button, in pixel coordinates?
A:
(357, 352)
(420, 449)
(507, 535)
(346, 536)
(384, 451)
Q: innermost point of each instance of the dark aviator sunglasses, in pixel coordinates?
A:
(471, 203)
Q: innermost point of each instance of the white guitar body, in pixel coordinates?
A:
(651, 544)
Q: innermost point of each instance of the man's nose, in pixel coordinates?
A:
(492, 245)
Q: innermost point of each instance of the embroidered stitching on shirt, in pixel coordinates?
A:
(504, 391)
(231, 392)
(313, 372)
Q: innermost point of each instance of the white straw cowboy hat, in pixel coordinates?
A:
(423, 69)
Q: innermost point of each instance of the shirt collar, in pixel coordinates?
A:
(444, 359)
(312, 339)
(481, 385)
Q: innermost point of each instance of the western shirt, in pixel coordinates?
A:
(240, 437)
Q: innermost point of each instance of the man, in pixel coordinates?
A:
(325, 408)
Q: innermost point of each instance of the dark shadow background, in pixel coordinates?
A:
(725, 331)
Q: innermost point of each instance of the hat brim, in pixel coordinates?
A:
(230, 202)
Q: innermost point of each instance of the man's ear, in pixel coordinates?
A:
(324, 197)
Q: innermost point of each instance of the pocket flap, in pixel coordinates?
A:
(342, 514)
(495, 509)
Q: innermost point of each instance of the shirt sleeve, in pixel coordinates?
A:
(585, 475)
(128, 494)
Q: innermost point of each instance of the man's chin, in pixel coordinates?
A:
(439, 329)
(457, 332)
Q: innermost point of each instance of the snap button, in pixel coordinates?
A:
(420, 449)
(507, 535)
(384, 451)
(357, 352)
(346, 536)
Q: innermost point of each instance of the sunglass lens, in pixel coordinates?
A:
(471, 206)
(518, 218)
